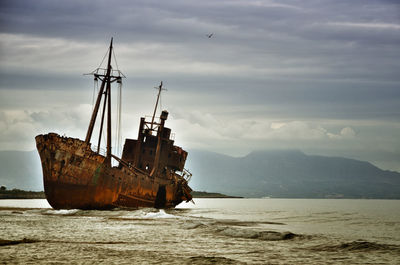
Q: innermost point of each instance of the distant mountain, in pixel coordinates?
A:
(21, 170)
(290, 174)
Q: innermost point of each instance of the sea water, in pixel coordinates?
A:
(212, 231)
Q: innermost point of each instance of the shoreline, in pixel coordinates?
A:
(17, 194)
(21, 194)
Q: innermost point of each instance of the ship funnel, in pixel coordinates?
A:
(164, 115)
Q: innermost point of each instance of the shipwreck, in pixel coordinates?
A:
(150, 173)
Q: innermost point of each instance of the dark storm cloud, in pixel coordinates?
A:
(291, 40)
(91, 20)
(86, 19)
(290, 37)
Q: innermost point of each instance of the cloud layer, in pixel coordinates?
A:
(321, 76)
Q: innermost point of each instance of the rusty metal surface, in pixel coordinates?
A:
(75, 177)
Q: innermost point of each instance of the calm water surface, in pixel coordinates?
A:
(213, 231)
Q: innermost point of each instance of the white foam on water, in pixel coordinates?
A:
(161, 214)
(61, 212)
(147, 213)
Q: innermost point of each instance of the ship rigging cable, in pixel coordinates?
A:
(117, 139)
(115, 59)
(104, 57)
(95, 91)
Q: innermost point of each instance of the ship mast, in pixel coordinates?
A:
(155, 108)
(107, 76)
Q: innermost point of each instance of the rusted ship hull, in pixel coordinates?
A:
(75, 177)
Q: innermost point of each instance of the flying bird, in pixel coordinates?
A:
(210, 35)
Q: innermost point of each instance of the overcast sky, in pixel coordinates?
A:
(319, 76)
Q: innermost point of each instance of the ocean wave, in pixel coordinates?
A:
(245, 223)
(7, 242)
(358, 245)
(193, 225)
(253, 234)
(237, 229)
(199, 260)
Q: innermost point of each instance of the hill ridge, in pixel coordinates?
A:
(261, 173)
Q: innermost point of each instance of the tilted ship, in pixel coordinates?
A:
(150, 172)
